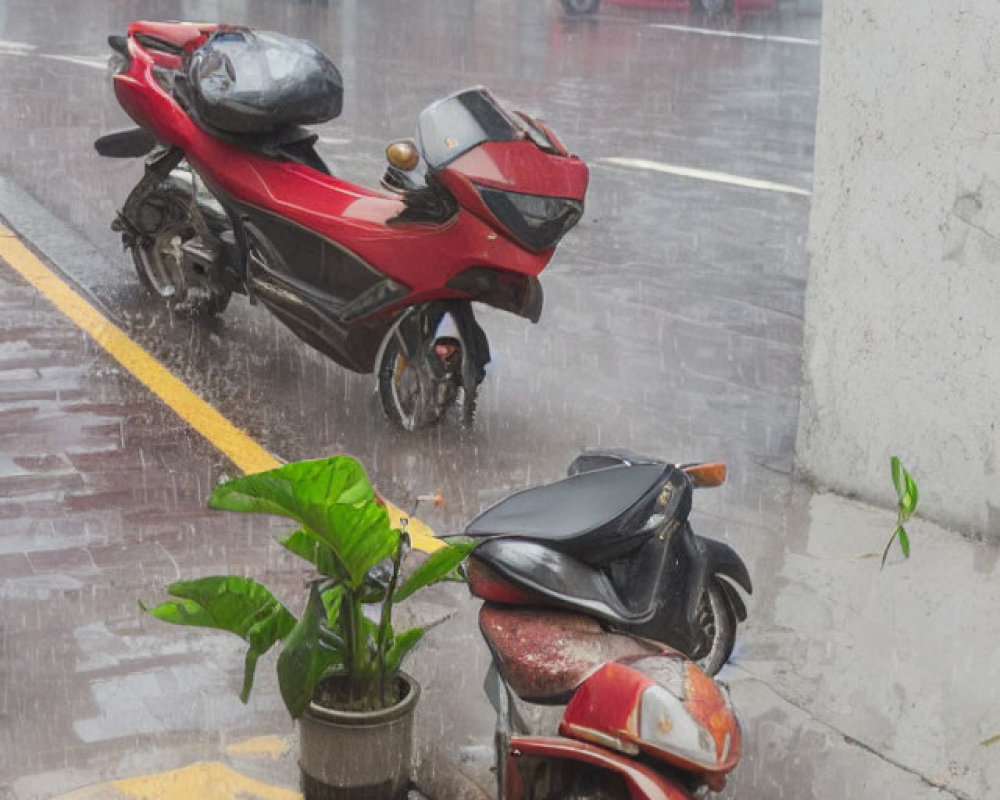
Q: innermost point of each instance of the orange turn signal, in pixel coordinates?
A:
(710, 474)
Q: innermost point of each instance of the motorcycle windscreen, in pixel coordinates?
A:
(453, 126)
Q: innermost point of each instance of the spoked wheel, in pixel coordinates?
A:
(717, 625)
(418, 384)
(163, 267)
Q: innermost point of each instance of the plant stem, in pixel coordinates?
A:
(385, 624)
(351, 613)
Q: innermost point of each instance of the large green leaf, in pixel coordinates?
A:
(339, 479)
(438, 566)
(401, 645)
(234, 604)
(314, 551)
(333, 501)
(304, 658)
(360, 537)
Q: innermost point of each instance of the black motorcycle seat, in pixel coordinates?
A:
(595, 516)
(563, 580)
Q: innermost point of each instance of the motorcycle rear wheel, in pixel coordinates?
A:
(717, 625)
(160, 262)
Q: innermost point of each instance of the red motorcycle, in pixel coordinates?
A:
(585, 583)
(235, 198)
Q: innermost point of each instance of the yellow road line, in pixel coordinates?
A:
(204, 781)
(234, 443)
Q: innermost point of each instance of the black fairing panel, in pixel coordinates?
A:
(518, 294)
(721, 559)
(595, 516)
(565, 580)
(679, 582)
(308, 282)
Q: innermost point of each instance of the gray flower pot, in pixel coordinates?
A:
(346, 755)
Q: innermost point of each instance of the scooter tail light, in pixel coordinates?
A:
(488, 585)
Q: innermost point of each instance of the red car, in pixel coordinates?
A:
(706, 6)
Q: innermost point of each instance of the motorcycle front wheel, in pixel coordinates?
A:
(716, 623)
(417, 389)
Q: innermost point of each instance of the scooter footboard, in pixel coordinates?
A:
(553, 766)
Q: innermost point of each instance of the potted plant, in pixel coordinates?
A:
(339, 668)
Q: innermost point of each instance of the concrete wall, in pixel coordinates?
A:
(903, 303)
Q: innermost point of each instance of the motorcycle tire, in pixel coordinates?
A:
(717, 622)
(577, 7)
(711, 7)
(157, 259)
(391, 377)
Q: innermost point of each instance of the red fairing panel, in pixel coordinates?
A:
(423, 257)
(523, 167)
(643, 783)
(692, 725)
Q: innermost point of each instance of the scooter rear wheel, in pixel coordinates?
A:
(162, 266)
(717, 625)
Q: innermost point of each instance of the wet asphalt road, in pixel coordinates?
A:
(673, 312)
(673, 318)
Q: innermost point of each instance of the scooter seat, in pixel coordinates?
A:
(545, 654)
(595, 516)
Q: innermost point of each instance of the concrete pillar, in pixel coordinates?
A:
(903, 302)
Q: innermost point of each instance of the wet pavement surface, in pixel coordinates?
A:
(673, 325)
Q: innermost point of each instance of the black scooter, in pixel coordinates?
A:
(613, 541)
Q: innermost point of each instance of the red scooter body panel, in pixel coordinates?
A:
(610, 703)
(420, 256)
(643, 782)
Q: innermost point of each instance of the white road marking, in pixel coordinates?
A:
(16, 47)
(95, 62)
(757, 37)
(705, 175)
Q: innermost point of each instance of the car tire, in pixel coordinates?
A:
(577, 7)
(711, 7)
